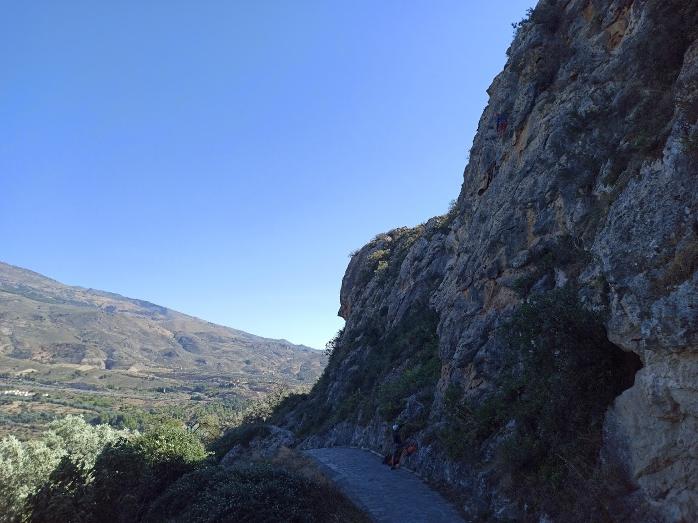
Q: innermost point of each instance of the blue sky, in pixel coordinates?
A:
(223, 158)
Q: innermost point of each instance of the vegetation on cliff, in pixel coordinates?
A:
(546, 410)
(397, 364)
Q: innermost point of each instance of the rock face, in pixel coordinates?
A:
(266, 445)
(583, 174)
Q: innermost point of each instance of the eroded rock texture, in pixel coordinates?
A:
(583, 172)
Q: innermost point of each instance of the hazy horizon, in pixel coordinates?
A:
(222, 160)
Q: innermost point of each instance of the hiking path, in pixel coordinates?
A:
(388, 496)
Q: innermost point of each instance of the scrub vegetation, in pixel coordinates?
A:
(396, 365)
(546, 411)
(80, 472)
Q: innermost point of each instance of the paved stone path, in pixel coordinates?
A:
(389, 496)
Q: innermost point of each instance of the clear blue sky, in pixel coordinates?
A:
(223, 158)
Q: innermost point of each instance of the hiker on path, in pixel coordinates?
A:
(398, 447)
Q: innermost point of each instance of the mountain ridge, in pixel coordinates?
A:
(85, 324)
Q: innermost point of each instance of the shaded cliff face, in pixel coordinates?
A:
(580, 187)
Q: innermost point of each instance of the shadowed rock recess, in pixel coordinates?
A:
(540, 341)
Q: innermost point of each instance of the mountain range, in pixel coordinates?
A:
(43, 321)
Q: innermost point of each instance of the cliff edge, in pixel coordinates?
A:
(540, 341)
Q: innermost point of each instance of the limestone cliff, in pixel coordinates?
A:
(581, 178)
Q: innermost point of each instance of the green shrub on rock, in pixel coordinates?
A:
(241, 435)
(563, 374)
(559, 376)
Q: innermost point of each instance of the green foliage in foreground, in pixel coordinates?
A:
(561, 374)
(25, 467)
(255, 492)
(130, 474)
(81, 472)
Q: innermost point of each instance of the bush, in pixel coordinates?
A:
(261, 410)
(241, 435)
(470, 423)
(169, 445)
(563, 254)
(421, 378)
(673, 30)
(333, 343)
(129, 474)
(65, 496)
(561, 374)
(411, 346)
(257, 492)
(287, 405)
(407, 351)
(547, 15)
(517, 26)
(23, 468)
(385, 263)
(69, 447)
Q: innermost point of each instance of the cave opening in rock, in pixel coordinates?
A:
(561, 373)
(625, 366)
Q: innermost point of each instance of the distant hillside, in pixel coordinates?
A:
(44, 321)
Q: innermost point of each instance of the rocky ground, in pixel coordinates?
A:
(389, 496)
